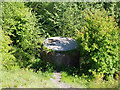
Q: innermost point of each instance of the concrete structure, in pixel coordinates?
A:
(60, 43)
(65, 51)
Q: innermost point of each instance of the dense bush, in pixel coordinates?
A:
(98, 43)
(44, 12)
(60, 19)
(6, 58)
(113, 8)
(20, 25)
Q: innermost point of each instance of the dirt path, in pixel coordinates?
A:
(57, 79)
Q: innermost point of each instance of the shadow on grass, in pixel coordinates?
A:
(41, 65)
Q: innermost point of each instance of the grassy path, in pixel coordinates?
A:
(57, 79)
(21, 78)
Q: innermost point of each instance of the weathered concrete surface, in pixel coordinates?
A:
(60, 59)
(61, 55)
(60, 43)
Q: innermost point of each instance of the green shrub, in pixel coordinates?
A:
(6, 58)
(58, 19)
(113, 8)
(20, 24)
(98, 43)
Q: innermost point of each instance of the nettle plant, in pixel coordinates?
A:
(98, 43)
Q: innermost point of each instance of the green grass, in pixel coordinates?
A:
(74, 81)
(88, 82)
(21, 78)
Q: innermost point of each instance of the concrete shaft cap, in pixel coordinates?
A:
(60, 43)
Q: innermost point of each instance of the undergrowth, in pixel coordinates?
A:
(85, 81)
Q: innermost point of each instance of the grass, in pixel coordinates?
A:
(21, 78)
(88, 82)
(74, 81)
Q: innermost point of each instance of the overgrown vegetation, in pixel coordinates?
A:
(85, 81)
(20, 25)
(98, 42)
(7, 59)
(93, 24)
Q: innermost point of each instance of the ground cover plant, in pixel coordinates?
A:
(95, 26)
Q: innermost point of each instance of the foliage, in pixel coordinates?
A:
(41, 65)
(20, 24)
(98, 82)
(6, 58)
(71, 18)
(113, 8)
(98, 43)
(60, 19)
(85, 81)
(44, 16)
(57, 19)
